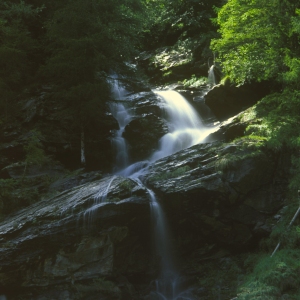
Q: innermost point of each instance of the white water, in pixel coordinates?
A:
(119, 144)
(211, 76)
(99, 199)
(122, 115)
(166, 283)
(186, 127)
(118, 90)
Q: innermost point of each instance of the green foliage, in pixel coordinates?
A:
(273, 277)
(89, 37)
(277, 276)
(35, 154)
(227, 162)
(262, 130)
(255, 38)
(195, 82)
(277, 123)
(17, 52)
(247, 147)
(173, 20)
(220, 277)
(85, 40)
(16, 194)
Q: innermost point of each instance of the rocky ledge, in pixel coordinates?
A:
(93, 241)
(74, 246)
(220, 196)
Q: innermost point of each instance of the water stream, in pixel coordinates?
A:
(99, 199)
(185, 126)
(119, 144)
(121, 114)
(185, 129)
(211, 76)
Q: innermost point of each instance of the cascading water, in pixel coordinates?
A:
(186, 128)
(119, 144)
(98, 200)
(121, 114)
(211, 76)
(166, 284)
(118, 90)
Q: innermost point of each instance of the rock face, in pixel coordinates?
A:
(147, 126)
(93, 241)
(143, 134)
(226, 101)
(219, 196)
(165, 65)
(60, 248)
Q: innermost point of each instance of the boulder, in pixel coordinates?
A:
(93, 241)
(74, 246)
(219, 191)
(143, 134)
(225, 101)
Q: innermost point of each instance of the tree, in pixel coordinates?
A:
(173, 20)
(17, 48)
(87, 39)
(255, 38)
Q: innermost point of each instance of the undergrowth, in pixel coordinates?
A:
(19, 193)
(274, 124)
(195, 82)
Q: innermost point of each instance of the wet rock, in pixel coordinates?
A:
(74, 246)
(92, 241)
(216, 190)
(169, 64)
(226, 101)
(143, 134)
(71, 181)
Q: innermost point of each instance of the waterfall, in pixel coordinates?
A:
(118, 90)
(166, 284)
(99, 199)
(122, 115)
(186, 128)
(211, 76)
(119, 144)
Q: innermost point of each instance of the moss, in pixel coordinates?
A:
(273, 277)
(126, 185)
(243, 148)
(221, 277)
(168, 175)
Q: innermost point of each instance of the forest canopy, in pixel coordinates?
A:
(66, 44)
(259, 40)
